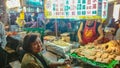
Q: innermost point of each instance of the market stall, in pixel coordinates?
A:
(105, 55)
(72, 9)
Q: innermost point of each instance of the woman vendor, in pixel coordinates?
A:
(89, 32)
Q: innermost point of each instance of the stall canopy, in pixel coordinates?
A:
(76, 9)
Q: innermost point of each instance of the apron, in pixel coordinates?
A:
(89, 33)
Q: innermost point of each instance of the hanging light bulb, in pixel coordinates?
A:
(38, 9)
(111, 0)
(24, 8)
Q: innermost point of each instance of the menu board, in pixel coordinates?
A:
(79, 9)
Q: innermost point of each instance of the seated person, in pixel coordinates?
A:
(90, 31)
(2, 35)
(33, 57)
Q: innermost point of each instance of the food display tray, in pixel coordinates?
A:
(112, 64)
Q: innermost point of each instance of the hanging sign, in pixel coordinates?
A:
(78, 9)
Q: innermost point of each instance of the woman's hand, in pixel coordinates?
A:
(95, 42)
(56, 64)
(81, 42)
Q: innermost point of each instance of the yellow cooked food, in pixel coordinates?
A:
(49, 37)
(61, 43)
(117, 58)
(98, 54)
(108, 60)
(111, 56)
(91, 57)
(104, 55)
(98, 59)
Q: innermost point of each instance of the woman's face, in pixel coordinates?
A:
(90, 22)
(37, 45)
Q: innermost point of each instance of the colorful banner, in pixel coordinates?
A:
(78, 9)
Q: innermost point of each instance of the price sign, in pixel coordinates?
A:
(80, 9)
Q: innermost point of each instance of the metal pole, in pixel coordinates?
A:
(56, 29)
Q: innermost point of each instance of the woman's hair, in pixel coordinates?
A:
(28, 40)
